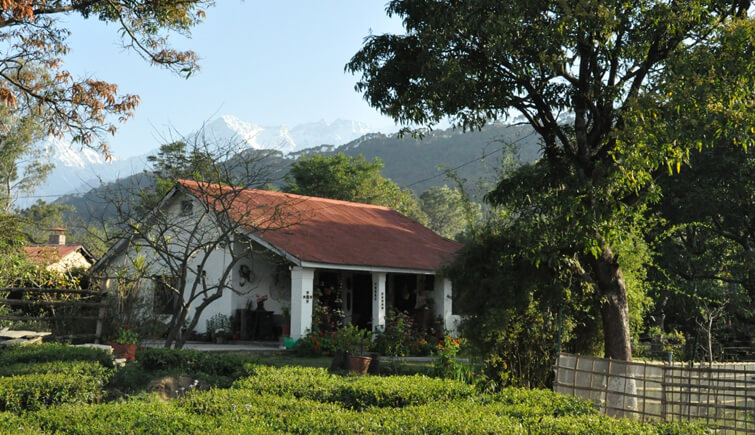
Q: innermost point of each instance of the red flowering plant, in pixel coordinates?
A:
(403, 337)
(446, 364)
(316, 342)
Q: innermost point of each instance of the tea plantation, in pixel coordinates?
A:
(60, 389)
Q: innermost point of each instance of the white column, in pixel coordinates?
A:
(302, 281)
(442, 302)
(378, 301)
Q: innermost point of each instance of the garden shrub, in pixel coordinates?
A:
(47, 352)
(402, 337)
(142, 417)
(301, 382)
(39, 390)
(397, 391)
(352, 392)
(193, 362)
(15, 424)
(521, 402)
(598, 425)
(72, 368)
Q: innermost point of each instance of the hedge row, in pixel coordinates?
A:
(38, 390)
(193, 361)
(352, 392)
(48, 352)
(70, 368)
(246, 411)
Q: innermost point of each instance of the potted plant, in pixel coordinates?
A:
(124, 342)
(353, 342)
(219, 328)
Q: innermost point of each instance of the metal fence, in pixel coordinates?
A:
(719, 394)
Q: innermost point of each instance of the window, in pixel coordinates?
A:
(166, 299)
(187, 207)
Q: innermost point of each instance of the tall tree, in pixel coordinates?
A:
(583, 74)
(33, 34)
(448, 212)
(351, 179)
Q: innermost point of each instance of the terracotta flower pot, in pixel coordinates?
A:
(121, 350)
(359, 364)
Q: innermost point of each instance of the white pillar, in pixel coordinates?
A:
(442, 302)
(302, 281)
(378, 301)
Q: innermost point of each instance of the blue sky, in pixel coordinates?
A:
(266, 62)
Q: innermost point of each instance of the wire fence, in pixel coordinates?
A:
(721, 395)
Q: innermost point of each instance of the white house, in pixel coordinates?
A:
(58, 256)
(306, 247)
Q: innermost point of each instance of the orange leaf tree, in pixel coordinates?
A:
(32, 76)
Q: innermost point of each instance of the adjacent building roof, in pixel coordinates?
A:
(50, 254)
(327, 231)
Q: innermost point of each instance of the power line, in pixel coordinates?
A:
(484, 155)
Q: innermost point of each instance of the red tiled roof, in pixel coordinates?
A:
(329, 231)
(49, 254)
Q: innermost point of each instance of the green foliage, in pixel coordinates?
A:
(351, 179)
(71, 368)
(35, 391)
(41, 216)
(126, 335)
(353, 340)
(518, 345)
(446, 211)
(402, 337)
(23, 161)
(353, 392)
(299, 400)
(636, 80)
(703, 238)
(187, 361)
(48, 352)
(445, 364)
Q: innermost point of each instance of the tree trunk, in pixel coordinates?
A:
(614, 306)
(174, 338)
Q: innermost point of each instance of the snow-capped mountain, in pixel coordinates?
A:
(283, 138)
(78, 169)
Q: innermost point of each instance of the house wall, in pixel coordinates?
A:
(70, 261)
(267, 278)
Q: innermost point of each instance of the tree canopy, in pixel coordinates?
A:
(351, 179)
(616, 90)
(34, 33)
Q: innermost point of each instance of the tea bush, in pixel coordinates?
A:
(291, 381)
(193, 362)
(39, 390)
(47, 352)
(397, 391)
(70, 368)
(597, 425)
(353, 392)
(48, 399)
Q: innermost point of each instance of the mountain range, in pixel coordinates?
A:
(419, 164)
(77, 170)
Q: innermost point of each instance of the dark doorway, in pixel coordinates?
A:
(405, 293)
(361, 311)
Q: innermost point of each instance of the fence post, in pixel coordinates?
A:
(663, 393)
